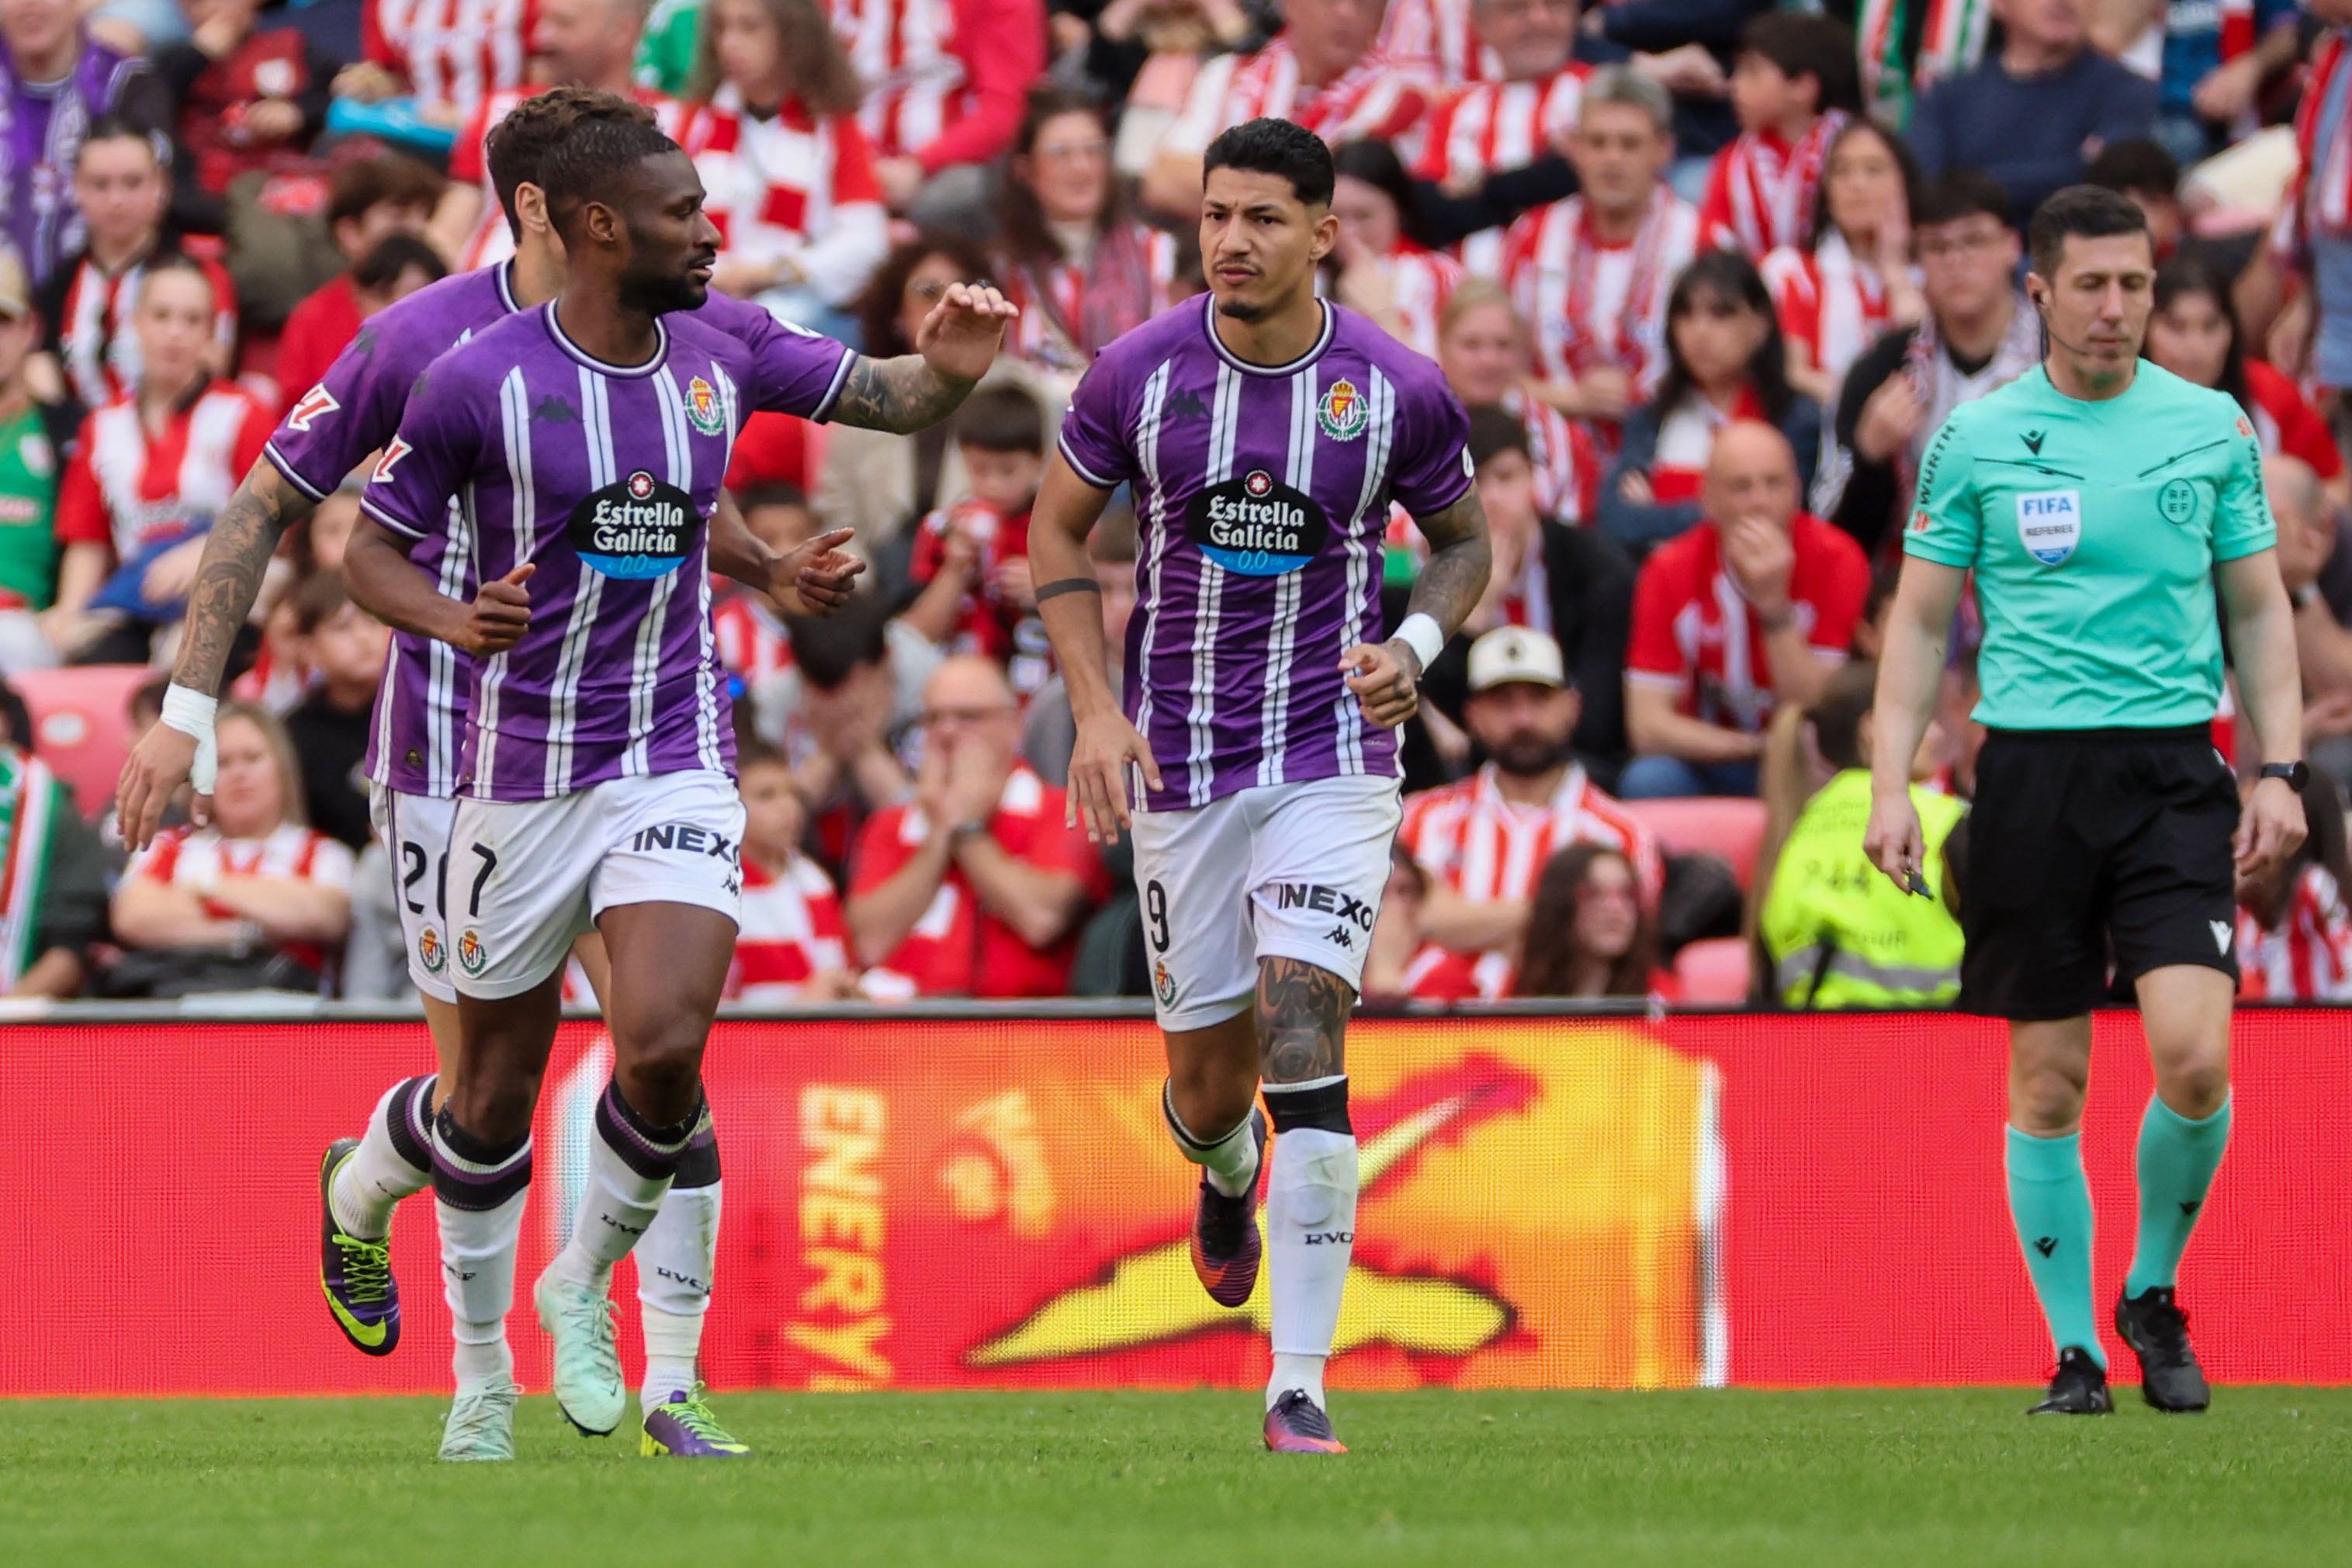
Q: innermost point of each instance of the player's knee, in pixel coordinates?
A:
(661, 1073)
(2047, 1096)
(1209, 1099)
(496, 1109)
(2195, 1084)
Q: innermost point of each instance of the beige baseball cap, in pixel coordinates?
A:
(1514, 654)
(16, 288)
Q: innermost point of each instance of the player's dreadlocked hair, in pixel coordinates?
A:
(520, 142)
(589, 164)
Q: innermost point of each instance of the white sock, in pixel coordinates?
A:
(488, 1362)
(1230, 1161)
(394, 1160)
(629, 1169)
(674, 1262)
(1310, 1234)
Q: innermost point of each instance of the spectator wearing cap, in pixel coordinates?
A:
(28, 486)
(55, 83)
(373, 202)
(2035, 115)
(1754, 607)
(1484, 841)
(1834, 934)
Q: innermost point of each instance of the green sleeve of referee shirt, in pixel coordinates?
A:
(2243, 525)
(1947, 520)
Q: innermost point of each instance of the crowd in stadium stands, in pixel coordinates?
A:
(1709, 273)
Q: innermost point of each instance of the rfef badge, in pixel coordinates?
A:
(2049, 523)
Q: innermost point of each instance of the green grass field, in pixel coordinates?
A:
(1131, 1481)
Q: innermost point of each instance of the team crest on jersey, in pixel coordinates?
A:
(392, 455)
(1256, 525)
(1343, 415)
(702, 408)
(472, 956)
(2049, 523)
(315, 403)
(431, 951)
(637, 528)
(1163, 984)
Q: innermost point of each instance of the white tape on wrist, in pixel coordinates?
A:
(191, 713)
(1423, 636)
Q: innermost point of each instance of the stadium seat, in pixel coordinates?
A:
(1726, 826)
(82, 725)
(1714, 971)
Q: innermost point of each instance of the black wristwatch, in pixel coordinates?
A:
(2296, 774)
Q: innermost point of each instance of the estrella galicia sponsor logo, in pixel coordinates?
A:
(473, 956)
(683, 838)
(640, 527)
(1256, 525)
(1323, 901)
(2177, 501)
(431, 951)
(2049, 523)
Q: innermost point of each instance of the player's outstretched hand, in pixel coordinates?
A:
(158, 765)
(2270, 829)
(1107, 745)
(1386, 680)
(1893, 840)
(501, 614)
(817, 579)
(961, 336)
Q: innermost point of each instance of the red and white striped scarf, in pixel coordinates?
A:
(1771, 185)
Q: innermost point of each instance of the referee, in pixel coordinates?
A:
(2099, 499)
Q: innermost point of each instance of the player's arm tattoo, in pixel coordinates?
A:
(1460, 560)
(1302, 1017)
(902, 395)
(229, 580)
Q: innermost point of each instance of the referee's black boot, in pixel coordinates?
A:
(2079, 1389)
(2156, 1328)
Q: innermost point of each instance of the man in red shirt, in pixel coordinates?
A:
(1753, 608)
(977, 886)
(372, 200)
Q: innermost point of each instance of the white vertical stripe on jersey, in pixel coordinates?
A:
(514, 410)
(441, 661)
(1282, 640)
(1224, 418)
(705, 676)
(644, 664)
(1350, 712)
(1153, 508)
(571, 657)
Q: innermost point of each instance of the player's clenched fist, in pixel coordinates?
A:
(1386, 679)
(1107, 745)
(501, 613)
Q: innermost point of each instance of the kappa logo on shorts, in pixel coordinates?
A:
(2049, 523)
(431, 951)
(472, 956)
(702, 408)
(1163, 984)
(1323, 901)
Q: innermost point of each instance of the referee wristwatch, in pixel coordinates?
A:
(2297, 773)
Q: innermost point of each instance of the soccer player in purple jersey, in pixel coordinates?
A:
(585, 442)
(1266, 433)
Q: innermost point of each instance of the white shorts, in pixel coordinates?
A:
(415, 831)
(528, 877)
(1282, 870)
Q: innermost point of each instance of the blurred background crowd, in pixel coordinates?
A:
(1619, 228)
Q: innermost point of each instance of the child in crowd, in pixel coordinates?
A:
(1793, 86)
(972, 559)
(345, 648)
(792, 945)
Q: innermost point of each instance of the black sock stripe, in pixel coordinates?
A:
(405, 1115)
(473, 1174)
(652, 1152)
(699, 1167)
(1324, 1108)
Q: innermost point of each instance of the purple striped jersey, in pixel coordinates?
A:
(603, 477)
(1262, 493)
(352, 413)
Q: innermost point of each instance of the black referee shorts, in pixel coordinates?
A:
(2092, 845)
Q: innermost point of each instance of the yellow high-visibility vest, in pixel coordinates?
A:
(1839, 934)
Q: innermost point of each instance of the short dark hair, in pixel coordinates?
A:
(2138, 164)
(1279, 147)
(1000, 419)
(1803, 45)
(878, 308)
(369, 183)
(828, 651)
(593, 162)
(1957, 193)
(169, 260)
(317, 599)
(2084, 211)
(755, 753)
(1493, 432)
(1376, 164)
(518, 145)
(380, 268)
(115, 127)
(1837, 714)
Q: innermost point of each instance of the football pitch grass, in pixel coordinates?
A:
(1129, 1480)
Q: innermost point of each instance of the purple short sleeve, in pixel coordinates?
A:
(333, 426)
(432, 456)
(790, 370)
(1095, 437)
(1432, 463)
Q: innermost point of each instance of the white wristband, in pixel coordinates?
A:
(191, 713)
(1423, 636)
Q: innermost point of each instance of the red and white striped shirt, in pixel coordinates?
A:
(2308, 958)
(1375, 98)
(1420, 282)
(1487, 849)
(97, 344)
(1828, 299)
(789, 931)
(1439, 37)
(1046, 331)
(2286, 423)
(451, 51)
(1568, 469)
(796, 187)
(1500, 125)
(1760, 192)
(1593, 305)
(186, 857)
(749, 637)
(128, 492)
(944, 79)
(2321, 198)
(469, 160)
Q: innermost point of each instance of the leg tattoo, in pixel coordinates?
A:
(1302, 1021)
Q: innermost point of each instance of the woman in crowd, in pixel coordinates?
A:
(2295, 932)
(1855, 279)
(1484, 351)
(256, 899)
(788, 176)
(150, 471)
(1725, 361)
(1380, 267)
(1588, 934)
(2194, 334)
(1079, 265)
